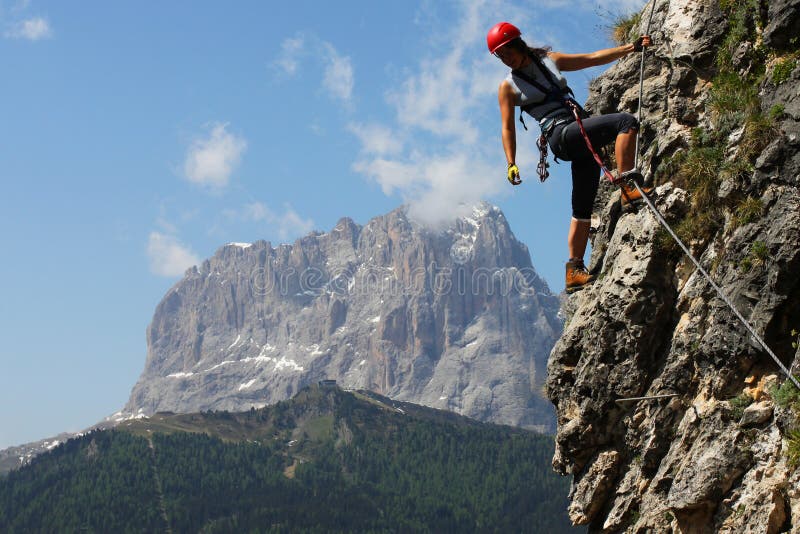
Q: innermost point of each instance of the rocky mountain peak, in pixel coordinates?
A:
(713, 447)
(455, 318)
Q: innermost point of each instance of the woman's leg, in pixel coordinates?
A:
(578, 238)
(585, 181)
(624, 149)
(619, 128)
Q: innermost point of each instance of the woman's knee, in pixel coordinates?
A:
(626, 123)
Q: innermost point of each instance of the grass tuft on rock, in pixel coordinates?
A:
(786, 396)
(747, 211)
(783, 69)
(624, 29)
(738, 404)
(793, 448)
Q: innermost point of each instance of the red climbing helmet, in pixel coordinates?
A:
(500, 34)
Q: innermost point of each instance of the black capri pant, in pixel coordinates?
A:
(571, 147)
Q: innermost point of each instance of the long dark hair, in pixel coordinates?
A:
(523, 47)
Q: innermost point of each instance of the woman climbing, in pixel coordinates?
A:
(537, 86)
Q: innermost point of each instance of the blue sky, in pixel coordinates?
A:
(138, 137)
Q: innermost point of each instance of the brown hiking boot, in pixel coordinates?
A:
(577, 275)
(629, 195)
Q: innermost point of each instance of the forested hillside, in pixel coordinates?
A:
(326, 460)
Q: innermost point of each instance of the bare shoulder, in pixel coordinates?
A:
(505, 93)
(505, 89)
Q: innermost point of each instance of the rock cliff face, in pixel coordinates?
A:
(456, 319)
(721, 131)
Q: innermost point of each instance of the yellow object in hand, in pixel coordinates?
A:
(513, 174)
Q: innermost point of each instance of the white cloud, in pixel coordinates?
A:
(256, 212)
(291, 224)
(33, 29)
(620, 6)
(439, 187)
(287, 225)
(434, 100)
(443, 95)
(211, 160)
(376, 138)
(444, 164)
(594, 6)
(338, 77)
(168, 256)
(290, 50)
(21, 5)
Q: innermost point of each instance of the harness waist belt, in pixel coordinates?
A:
(548, 124)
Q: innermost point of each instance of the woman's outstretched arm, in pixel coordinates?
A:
(568, 62)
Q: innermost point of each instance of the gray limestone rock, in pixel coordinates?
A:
(590, 491)
(784, 19)
(685, 459)
(757, 414)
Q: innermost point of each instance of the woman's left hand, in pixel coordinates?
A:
(642, 42)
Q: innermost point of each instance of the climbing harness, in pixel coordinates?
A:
(680, 243)
(554, 93)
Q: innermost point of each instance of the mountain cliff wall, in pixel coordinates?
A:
(454, 319)
(719, 451)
